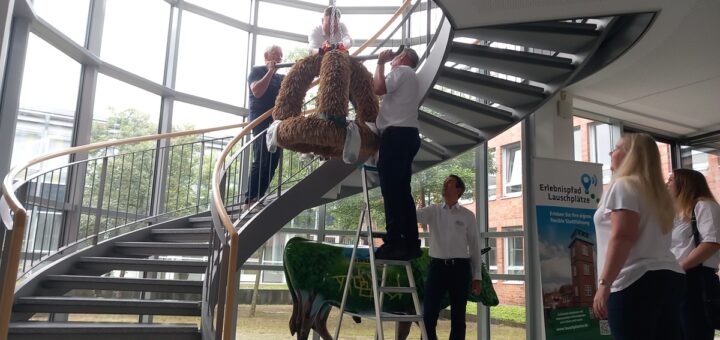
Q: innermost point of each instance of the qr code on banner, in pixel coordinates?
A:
(604, 327)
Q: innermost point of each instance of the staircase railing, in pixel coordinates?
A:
(219, 307)
(106, 189)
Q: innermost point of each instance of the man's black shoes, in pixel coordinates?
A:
(399, 251)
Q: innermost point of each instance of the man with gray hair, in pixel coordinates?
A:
(400, 142)
(264, 88)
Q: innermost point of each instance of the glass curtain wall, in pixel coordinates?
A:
(167, 66)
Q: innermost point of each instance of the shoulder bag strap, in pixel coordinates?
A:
(696, 232)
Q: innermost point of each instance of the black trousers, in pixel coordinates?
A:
(650, 308)
(263, 167)
(398, 148)
(697, 326)
(447, 276)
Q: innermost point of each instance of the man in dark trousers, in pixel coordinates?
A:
(400, 142)
(454, 258)
(264, 88)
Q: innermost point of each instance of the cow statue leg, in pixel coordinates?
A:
(402, 330)
(304, 315)
(320, 323)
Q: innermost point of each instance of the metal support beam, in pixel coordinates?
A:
(533, 295)
(162, 157)
(6, 15)
(10, 105)
(481, 216)
(83, 120)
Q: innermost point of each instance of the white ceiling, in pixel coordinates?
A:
(669, 81)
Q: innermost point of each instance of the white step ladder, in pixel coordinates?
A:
(380, 290)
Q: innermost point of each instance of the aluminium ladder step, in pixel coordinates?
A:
(399, 317)
(404, 290)
(392, 262)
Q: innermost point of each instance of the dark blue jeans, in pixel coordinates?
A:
(650, 308)
(262, 169)
(398, 147)
(446, 277)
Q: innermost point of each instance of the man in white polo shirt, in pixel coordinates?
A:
(454, 258)
(400, 142)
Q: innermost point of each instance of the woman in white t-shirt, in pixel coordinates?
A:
(641, 285)
(699, 258)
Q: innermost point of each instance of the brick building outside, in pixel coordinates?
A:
(505, 205)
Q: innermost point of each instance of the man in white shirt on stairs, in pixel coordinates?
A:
(454, 258)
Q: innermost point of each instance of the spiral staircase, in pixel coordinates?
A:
(476, 82)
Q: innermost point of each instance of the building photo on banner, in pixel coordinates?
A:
(566, 197)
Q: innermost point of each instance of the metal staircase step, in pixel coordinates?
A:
(446, 133)
(200, 222)
(161, 248)
(122, 284)
(105, 331)
(559, 36)
(532, 66)
(107, 264)
(403, 290)
(44, 304)
(508, 93)
(201, 234)
(430, 152)
(477, 115)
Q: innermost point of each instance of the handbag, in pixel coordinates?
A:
(710, 293)
(487, 296)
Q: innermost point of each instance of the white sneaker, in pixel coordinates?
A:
(245, 207)
(248, 207)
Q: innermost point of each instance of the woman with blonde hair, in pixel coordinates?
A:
(641, 285)
(695, 245)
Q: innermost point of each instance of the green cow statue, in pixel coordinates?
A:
(316, 273)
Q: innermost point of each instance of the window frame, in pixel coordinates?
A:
(517, 270)
(594, 154)
(514, 149)
(492, 189)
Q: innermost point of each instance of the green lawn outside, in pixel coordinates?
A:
(502, 313)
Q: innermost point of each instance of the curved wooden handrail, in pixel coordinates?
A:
(217, 200)
(11, 202)
(8, 189)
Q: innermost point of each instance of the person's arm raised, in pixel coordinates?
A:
(258, 88)
(379, 87)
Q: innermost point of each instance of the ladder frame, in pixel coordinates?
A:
(365, 216)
